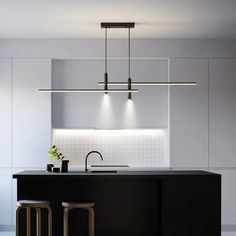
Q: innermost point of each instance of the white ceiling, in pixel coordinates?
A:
(154, 18)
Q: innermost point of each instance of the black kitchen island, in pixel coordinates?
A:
(130, 203)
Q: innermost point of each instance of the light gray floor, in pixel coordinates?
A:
(7, 233)
(229, 234)
(13, 234)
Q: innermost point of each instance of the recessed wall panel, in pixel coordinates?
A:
(148, 108)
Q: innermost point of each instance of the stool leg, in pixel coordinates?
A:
(49, 221)
(28, 221)
(91, 222)
(17, 220)
(65, 221)
(38, 222)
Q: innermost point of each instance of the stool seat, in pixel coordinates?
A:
(28, 205)
(84, 205)
(33, 203)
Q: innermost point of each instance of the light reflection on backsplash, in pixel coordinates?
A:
(139, 147)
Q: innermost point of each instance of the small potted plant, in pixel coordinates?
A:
(55, 154)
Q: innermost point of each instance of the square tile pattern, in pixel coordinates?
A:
(131, 147)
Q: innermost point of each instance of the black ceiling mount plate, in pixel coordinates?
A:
(117, 25)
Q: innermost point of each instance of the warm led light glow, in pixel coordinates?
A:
(106, 112)
(150, 83)
(86, 90)
(130, 118)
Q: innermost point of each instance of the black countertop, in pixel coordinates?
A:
(70, 174)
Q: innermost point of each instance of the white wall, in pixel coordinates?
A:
(202, 119)
(94, 48)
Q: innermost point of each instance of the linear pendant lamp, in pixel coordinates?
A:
(105, 83)
(150, 83)
(130, 82)
(71, 90)
(86, 90)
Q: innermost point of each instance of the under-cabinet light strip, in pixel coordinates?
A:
(86, 90)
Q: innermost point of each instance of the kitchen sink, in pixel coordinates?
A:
(109, 166)
(104, 171)
(92, 171)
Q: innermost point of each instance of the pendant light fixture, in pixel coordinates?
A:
(129, 79)
(130, 82)
(105, 83)
(118, 25)
(105, 74)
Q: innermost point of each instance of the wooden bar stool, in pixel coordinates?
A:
(37, 205)
(79, 205)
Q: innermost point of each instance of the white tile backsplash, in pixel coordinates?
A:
(140, 147)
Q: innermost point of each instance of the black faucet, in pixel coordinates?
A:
(86, 159)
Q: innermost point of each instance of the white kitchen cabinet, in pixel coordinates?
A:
(5, 196)
(5, 112)
(31, 112)
(189, 113)
(228, 195)
(222, 112)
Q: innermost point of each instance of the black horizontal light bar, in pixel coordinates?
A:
(117, 25)
(150, 83)
(86, 90)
